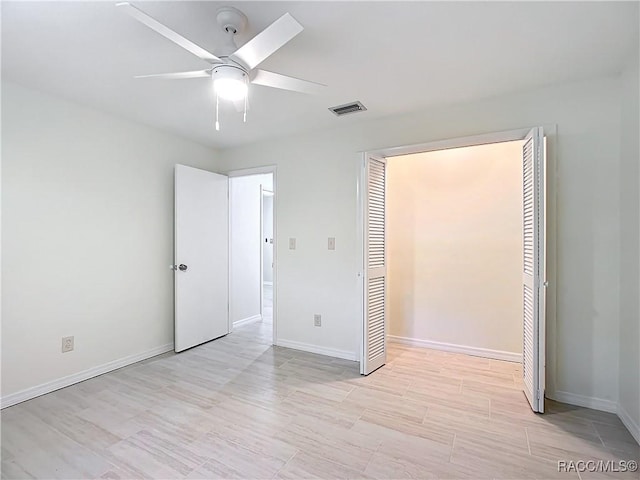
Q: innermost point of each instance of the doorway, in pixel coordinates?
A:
(374, 285)
(252, 242)
(225, 280)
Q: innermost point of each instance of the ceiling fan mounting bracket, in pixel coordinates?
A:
(231, 20)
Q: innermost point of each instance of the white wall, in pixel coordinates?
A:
(317, 199)
(454, 244)
(267, 233)
(629, 252)
(87, 221)
(245, 244)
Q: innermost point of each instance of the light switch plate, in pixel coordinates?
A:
(331, 243)
(292, 243)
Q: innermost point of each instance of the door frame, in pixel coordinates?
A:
(550, 133)
(262, 195)
(272, 169)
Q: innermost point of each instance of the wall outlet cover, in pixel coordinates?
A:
(317, 320)
(67, 344)
(292, 243)
(331, 243)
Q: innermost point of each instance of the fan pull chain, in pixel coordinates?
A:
(217, 112)
(245, 108)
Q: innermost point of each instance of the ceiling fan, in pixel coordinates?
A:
(233, 68)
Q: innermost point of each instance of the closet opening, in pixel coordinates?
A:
(453, 261)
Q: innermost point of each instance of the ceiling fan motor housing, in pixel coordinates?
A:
(231, 72)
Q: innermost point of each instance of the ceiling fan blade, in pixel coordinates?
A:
(256, 50)
(166, 32)
(178, 75)
(276, 80)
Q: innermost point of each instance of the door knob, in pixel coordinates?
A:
(182, 267)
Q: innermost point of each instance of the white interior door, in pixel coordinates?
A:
(533, 275)
(374, 348)
(201, 256)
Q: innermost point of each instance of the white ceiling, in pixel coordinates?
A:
(393, 56)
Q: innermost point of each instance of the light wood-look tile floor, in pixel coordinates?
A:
(239, 408)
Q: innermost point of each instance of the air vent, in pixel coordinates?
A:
(347, 108)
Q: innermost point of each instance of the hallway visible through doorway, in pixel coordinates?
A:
(252, 245)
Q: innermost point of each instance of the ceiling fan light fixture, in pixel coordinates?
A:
(230, 83)
(230, 67)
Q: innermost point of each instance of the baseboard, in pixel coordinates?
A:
(244, 321)
(307, 347)
(454, 348)
(629, 422)
(583, 401)
(48, 387)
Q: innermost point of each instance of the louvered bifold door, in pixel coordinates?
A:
(375, 285)
(533, 269)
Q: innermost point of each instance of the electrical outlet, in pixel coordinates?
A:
(317, 320)
(67, 344)
(331, 243)
(292, 243)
